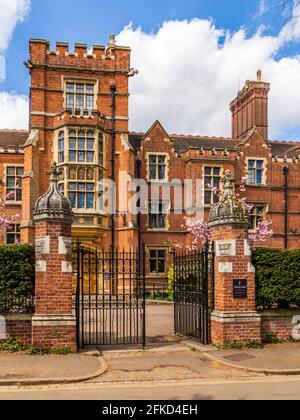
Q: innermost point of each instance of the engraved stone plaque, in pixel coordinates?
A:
(66, 267)
(65, 245)
(225, 267)
(247, 249)
(41, 266)
(42, 245)
(226, 248)
(251, 268)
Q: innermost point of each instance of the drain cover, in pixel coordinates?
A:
(239, 357)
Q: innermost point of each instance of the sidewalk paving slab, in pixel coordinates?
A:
(279, 359)
(22, 369)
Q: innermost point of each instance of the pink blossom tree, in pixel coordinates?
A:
(6, 220)
(200, 231)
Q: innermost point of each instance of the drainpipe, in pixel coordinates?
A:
(286, 205)
(138, 167)
(113, 153)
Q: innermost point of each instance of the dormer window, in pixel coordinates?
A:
(80, 96)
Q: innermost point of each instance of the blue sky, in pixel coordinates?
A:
(93, 20)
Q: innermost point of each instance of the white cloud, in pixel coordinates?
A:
(14, 110)
(12, 13)
(262, 9)
(14, 107)
(189, 74)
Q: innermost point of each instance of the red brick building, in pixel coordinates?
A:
(79, 118)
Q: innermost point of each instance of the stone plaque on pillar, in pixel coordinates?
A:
(42, 245)
(226, 248)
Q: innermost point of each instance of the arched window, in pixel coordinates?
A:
(61, 147)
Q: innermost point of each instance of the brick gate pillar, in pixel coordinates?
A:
(54, 324)
(235, 318)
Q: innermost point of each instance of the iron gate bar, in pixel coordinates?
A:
(193, 285)
(110, 296)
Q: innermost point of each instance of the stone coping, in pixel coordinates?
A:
(279, 313)
(17, 317)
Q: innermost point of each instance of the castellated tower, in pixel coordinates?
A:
(78, 118)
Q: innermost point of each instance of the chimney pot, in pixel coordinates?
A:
(259, 78)
(112, 40)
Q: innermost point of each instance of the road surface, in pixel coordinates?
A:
(270, 388)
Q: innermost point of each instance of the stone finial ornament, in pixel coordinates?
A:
(229, 209)
(53, 205)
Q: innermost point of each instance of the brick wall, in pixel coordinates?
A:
(241, 331)
(19, 326)
(281, 325)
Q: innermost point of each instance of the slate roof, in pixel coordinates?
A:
(183, 143)
(13, 138)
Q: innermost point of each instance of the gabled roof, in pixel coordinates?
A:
(156, 123)
(184, 142)
(13, 138)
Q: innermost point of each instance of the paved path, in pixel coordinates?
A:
(160, 323)
(172, 362)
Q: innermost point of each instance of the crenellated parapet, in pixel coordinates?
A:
(98, 58)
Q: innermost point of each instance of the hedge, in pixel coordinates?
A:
(277, 278)
(17, 278)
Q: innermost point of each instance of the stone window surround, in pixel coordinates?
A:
(265, 212)
(5, 166)
(15, 232)
(222, 172)
(156, 248)
(168, 207)
(79, 80)
(167, 156)
(264, 179)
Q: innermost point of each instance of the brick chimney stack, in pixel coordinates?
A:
(250, 108)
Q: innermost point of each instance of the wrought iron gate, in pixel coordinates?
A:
(193, 294)
(110, 297)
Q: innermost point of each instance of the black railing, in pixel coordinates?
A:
(17, 303)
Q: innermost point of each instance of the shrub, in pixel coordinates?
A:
(17, 277)
(271, 338)
(12, 345)
(171, 282)
(277, 278)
